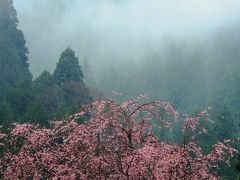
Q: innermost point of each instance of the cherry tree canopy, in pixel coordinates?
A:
(117, 142)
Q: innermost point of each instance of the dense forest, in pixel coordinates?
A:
(200, 78)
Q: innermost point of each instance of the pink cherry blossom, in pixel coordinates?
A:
(118, 142)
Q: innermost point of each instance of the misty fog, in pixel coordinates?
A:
(129, 77)
(116, 31)
(121, 38)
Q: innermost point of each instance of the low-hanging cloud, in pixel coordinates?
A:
(114, 30)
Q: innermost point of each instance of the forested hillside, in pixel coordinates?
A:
(49, 96)
(119, 102)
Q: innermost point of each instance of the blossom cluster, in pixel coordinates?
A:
(117, 142)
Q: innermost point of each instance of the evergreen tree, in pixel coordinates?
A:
(44, 81)
(72, 92)
(13, 51)
(68, 68)
(62, 93)
(15, 78)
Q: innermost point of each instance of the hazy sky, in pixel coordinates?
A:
(114, 30)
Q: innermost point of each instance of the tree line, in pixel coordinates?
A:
(49, 96)
(60, 94)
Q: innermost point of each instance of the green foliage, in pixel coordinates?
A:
(61, 94)
(68, 68)
(5, 113)
(222, 128)
(15, 78)
(49, 96)
(45, 80)
(238, 166)
(37, 114)
(224, 125)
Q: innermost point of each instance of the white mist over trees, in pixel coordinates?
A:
(116, 31)
(182, 51)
